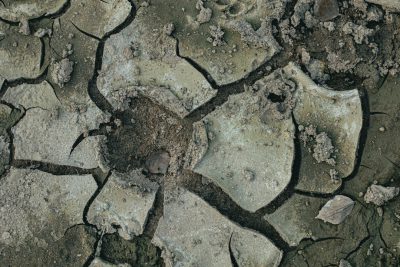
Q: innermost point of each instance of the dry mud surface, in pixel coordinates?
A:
(200, 133)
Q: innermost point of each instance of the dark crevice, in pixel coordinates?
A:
(290, 188)
(50, 167)
(93, 254)
(154, 214)
(218, 199)
(124, 24)
(364, 240)
(378, 113)
(86, 33)
(89, 203)
(13, 83)
(362, 138)
(43, 53)
(315, 194)
(93, 91)
(232, 256)
(95, 132)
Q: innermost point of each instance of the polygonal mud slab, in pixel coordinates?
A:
(123, 204)
(98, 262)
(295, 220)
(245, 25)
(20, 55)
(48, 131)
(142, 59)
(380, 158)
(39, 207)
(250, 159)
(191, 233)
(20, 10)
(82, 54)
(107, 15)
(339, 114)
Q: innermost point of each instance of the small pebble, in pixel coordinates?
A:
(382, 129)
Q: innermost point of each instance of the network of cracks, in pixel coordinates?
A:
(199, 133)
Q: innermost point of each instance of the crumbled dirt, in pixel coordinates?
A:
(138, 252)
(318, 143)
(146, 129)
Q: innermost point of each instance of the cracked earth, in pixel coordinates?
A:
(199, 133)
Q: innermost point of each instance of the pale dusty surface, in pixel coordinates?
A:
(39, 206)
(193, 233)
(123, 204)
(19, 55)
(105, 16)
(130, 60)
(249, 159)
(339, 114)
(29, 9)
(247, 40)
(49, 130)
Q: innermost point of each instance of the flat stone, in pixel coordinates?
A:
(191, 232)
(142, 59)
(246, 43)
(29, 9)
(49, 130)
(337, 113)
(391, 5)
(123, 204)
(41, 205)
(326, 9)
(20, 56)
(296, 220)
(32, 95)
(103, 18)
(249, 158)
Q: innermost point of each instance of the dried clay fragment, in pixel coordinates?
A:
(123, 204)
(336, 210)
(378, 194)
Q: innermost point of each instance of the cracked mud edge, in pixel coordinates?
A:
(94, 93)
(227, 207)
(55, 15)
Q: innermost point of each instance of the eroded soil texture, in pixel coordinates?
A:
(200, 133)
